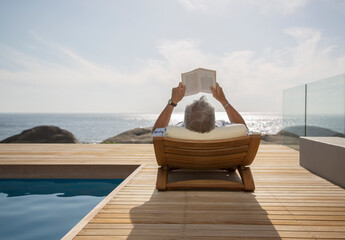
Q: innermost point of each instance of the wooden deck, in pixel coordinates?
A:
(289, 202)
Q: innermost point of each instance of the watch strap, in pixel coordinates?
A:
(170, 102)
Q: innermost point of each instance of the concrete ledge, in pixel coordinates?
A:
(67, 171)
(324, 156)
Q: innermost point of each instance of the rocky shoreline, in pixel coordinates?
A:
(136, 135)
(53, 134)
(43, 134)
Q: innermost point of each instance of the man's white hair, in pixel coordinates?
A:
(200, 116)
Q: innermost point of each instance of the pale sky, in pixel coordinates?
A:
(125, 56)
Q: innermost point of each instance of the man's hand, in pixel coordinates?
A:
(233, 115)
(178, 93)
(176, 96)
(219, 94)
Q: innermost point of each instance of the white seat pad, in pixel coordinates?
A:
(230, 131)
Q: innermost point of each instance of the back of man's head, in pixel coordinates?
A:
(199, 116)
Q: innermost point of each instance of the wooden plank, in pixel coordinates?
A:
(205, 160)
(77, 228)
(207, 184)
(247, 178)
(162, 178)
(289, 202)
(235, 142)
(202, 152)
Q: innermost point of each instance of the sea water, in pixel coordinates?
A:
(96, 127)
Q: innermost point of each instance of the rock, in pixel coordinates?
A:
(271, 139)
(137, 135)
(290, 135)
(312, 131)
(42, 134)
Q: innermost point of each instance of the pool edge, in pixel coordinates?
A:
(83, 222)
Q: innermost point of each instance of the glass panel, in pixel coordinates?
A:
(326, 107)
(293, 116)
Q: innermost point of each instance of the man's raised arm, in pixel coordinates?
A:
(233, 115)
(176, 96)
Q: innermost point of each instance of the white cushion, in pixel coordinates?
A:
(229, 131)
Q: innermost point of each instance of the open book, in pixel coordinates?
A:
(199, 80)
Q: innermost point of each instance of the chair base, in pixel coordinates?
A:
(247, 183)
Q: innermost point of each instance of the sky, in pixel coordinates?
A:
(112, 56)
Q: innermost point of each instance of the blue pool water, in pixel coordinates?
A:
(47, 208)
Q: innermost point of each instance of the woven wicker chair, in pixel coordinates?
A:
(226, 154)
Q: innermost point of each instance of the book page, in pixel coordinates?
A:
(207, 79)
(190, 80)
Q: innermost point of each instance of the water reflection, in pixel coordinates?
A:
(64, 187)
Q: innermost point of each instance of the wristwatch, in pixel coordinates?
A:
(172, 103)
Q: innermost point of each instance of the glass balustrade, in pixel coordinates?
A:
(314, 109)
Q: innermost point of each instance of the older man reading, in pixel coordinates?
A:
(199, 116)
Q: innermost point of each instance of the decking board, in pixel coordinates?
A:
(289, 202)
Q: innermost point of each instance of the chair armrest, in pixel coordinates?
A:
(254, 144)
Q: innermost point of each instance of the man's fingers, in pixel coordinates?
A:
(214, 92)
(219, 89)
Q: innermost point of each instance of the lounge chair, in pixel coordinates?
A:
(225, 154)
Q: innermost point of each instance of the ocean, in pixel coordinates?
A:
(96, 127)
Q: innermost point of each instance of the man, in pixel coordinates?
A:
(200, 115)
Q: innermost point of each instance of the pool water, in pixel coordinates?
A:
(47, 208)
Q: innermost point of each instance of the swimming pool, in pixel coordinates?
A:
(47, 208)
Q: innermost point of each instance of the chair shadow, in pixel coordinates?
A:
(201, 214)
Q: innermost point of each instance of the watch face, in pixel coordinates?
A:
(171, 103)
